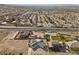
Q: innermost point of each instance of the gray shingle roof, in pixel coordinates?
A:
(38, 44)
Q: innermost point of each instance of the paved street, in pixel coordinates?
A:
(14, 28)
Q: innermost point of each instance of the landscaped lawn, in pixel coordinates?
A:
(61, 37)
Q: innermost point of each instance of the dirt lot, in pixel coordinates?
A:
(12, 47)
(3, 35)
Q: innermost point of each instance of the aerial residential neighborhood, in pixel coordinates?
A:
(39, 17)
(15, 42)
(39, 30)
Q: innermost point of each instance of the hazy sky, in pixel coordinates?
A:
(39, 1)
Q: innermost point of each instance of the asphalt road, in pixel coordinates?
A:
(14, 28)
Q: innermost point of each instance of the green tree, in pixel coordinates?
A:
(47, 37)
